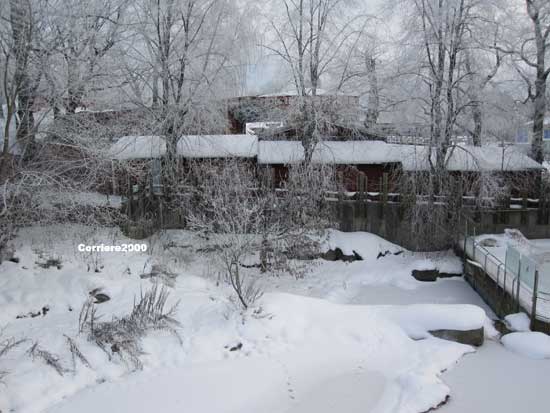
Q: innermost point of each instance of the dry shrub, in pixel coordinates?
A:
(52, 360)
(5, 347)
(122, 336)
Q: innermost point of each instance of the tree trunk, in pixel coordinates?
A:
(473, 95)
(373, 109)
(537, 148)
(21, 24)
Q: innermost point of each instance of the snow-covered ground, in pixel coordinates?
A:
(345, 337)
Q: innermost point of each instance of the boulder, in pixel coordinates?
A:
(426, 275)
(448, 275)
(99, 297)
(469, 337)
(488, 242)
(432, 275)
(338, 255)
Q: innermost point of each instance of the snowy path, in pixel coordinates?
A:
(236, 386)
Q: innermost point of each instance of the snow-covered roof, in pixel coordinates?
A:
(469, 158)
(309, 92)
(218, 146)
(412, 157)
(347, 152)
(138, 147)
(189, 146)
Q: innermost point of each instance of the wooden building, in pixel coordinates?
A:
(142, 157)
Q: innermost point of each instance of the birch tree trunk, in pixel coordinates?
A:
(542, 34)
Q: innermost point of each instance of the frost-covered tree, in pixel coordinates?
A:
(527, 40)
(86, 33)
(313, 38)
(182, 62)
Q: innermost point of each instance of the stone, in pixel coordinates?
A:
(99, 296)
(425, 275)
(338, 255)
(489, 242)
(449, 275)
(387, 252)
(236, 347)
(469, 337)
(34, 314)
(330, 255)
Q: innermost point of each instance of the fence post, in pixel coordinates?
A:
(341, 196)
(358, 204)
(365, 196)
(535, 295)
(385, 188)
(504, 292)
(465, 241)
(363, 199)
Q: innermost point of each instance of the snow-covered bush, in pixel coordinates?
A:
(122, 336)
(296, 217)
(227, 210)
(244, 215)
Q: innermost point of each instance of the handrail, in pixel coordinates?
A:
(517, 284)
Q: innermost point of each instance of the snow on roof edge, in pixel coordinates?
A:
(412, 157)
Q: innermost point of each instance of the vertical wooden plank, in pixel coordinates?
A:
(366, 197)
(362, 200)
(340, 196)
(385, 188)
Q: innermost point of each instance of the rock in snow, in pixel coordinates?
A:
(529, 344)
(518, 322)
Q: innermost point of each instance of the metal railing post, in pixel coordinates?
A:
(535, 296)
(519, 282)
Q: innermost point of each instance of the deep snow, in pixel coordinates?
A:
(304, 347)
